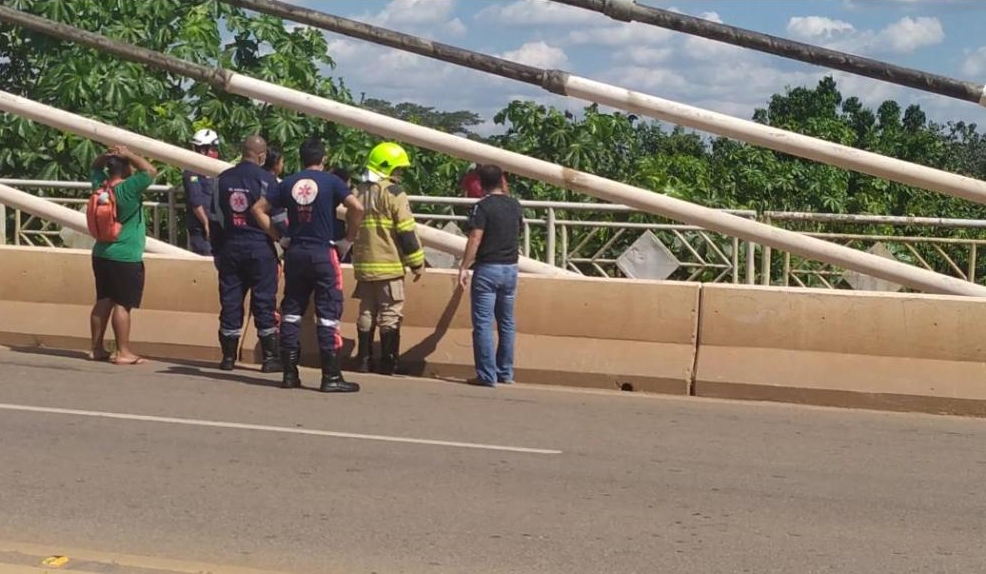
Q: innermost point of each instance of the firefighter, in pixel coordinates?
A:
(385, 244)
(245, 257)
(199, 190)
(311, 263)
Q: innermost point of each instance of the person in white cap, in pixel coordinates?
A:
(199, 190)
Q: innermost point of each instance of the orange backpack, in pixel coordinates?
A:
(101, 214)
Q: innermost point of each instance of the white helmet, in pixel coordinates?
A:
(205, 137)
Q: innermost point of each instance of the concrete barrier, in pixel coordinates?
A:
(901, 352)
(581, 332)
(46, 295)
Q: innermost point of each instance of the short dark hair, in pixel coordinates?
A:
(273, 156)
(117, 166)
(312, 151)
(490, 176)
(341, 172)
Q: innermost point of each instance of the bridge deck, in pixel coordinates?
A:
(183, 462)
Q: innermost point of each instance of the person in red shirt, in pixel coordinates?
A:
(470, 185)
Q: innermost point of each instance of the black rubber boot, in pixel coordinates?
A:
(397, 351)
(289, 362)
(272, 363)
(390, 342)
(230, 347)
(332, 381)
(364, 351)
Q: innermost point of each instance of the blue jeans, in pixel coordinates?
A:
(494, 290)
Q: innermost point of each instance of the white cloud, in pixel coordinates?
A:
(340, 49)
(711, 16)
(622, 34)
(975, 63)
(403, 77)
(909, 34)
(711, 50)
(537, 13)
(907, 4)
(904, 36)
(538, 54)
(643, 55)
(456, 27)
(412, 12)
(817, 27)
(418, 16)
(647, 79)
(692, 70)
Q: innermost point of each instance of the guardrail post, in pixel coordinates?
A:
(973, 255)
(765, 265)
(17, 227)
(157, 221)
(550, 256)
(751, 264)
(527, 239)
(3, 224)
(564, 246)
(172, 217)
(735, 261)
(767, 252)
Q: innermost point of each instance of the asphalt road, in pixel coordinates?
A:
(413, 476)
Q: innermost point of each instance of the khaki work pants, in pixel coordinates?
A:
(380, 302)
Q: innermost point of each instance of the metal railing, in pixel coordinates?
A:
(590, 238)
(958, 254)
(31, 230)
(592, 247)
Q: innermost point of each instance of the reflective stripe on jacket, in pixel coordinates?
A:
(387, 240)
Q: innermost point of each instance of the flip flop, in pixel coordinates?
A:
(136, 361)
(99, 358)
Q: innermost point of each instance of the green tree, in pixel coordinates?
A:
(168, 107)
(151, 102)
(717, 172)
(457, 122)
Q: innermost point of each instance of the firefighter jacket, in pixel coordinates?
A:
(386, 241)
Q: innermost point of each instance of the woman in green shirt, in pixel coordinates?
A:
(118, 266)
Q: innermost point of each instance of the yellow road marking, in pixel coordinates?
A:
(166, 565)
(55, 561)
(15, 569)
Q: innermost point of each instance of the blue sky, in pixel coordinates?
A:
(940, 36)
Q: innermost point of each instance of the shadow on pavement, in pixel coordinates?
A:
(414, 358)
(204, 370)
(245, 375)
(64, 353)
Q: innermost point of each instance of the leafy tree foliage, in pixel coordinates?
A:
(155, 103)
(457, 122)
(716, 172)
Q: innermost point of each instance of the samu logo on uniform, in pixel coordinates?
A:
(304, 192)
(239, 203)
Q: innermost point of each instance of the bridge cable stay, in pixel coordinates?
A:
(631, 11)
(606, 189)
(74, 219)
(564, 83)
(185, 159)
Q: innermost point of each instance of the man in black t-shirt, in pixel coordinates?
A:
(494, 229)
